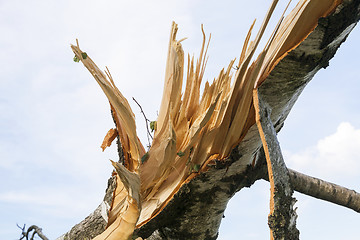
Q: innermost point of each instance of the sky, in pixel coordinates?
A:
(54, 116)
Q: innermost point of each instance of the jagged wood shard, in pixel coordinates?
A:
(109, 138)
(126, 205)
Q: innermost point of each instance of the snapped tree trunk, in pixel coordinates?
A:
(206, 149)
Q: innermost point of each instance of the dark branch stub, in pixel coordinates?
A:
(35, 229)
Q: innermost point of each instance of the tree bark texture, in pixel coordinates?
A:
(196, 210)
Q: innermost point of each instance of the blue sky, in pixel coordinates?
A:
(54, 116)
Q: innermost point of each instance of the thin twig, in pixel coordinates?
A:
(23, 232)
(146, 122)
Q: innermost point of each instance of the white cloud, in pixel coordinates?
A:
(336, 155)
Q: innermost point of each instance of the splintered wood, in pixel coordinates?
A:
(192, 130)
(282, 216)
(110, 136)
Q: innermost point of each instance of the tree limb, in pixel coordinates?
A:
(316, 187)
(37, 231)
(324, 190)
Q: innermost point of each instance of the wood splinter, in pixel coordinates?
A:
(282, 217)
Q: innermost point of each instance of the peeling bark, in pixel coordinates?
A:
(282, 217)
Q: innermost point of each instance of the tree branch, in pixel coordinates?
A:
(37, 231)
(318, 188)
(324, 190)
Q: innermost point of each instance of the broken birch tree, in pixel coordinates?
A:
(206, 148)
